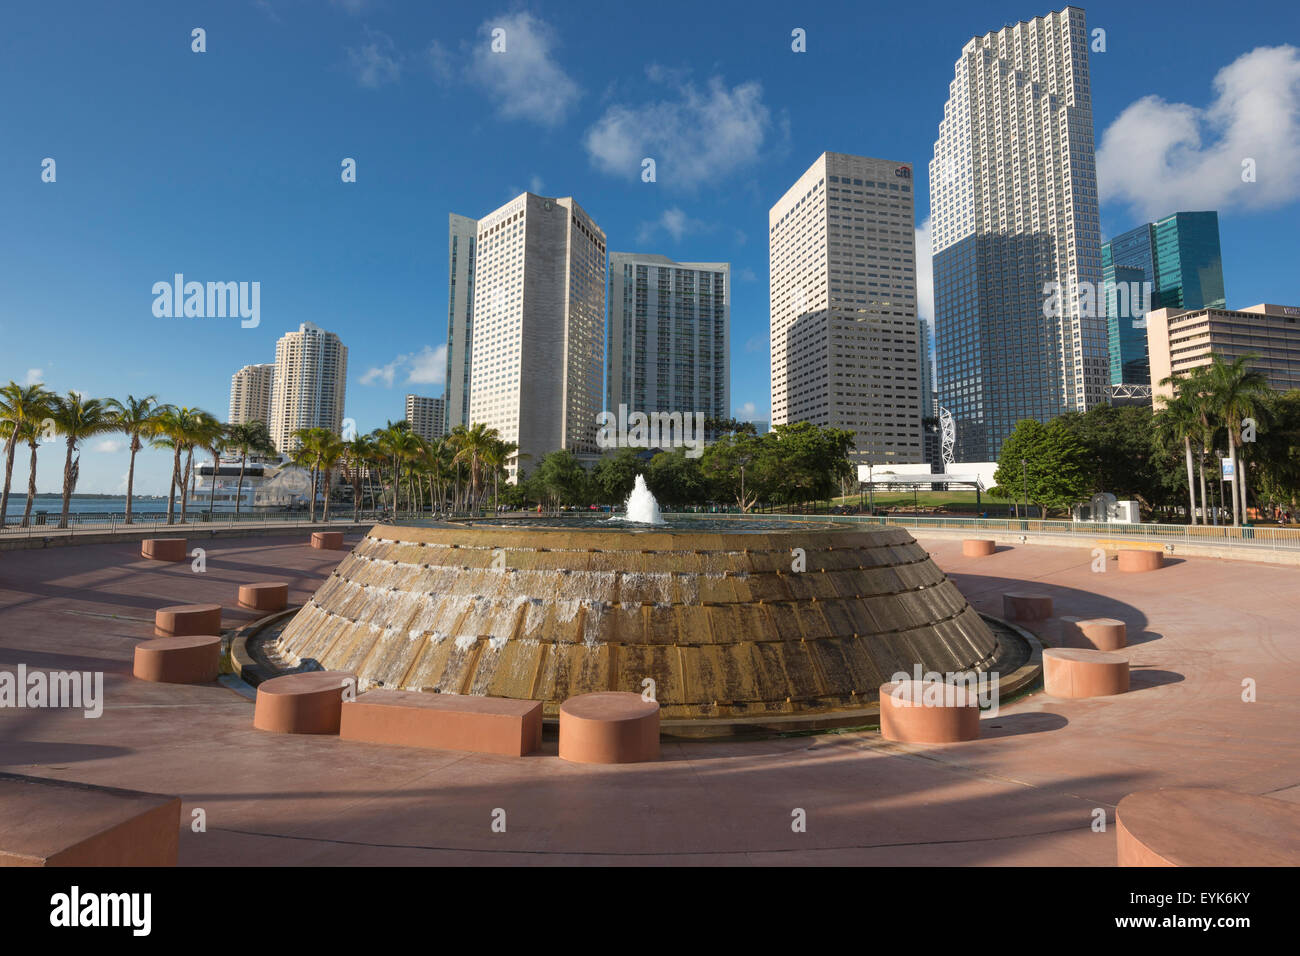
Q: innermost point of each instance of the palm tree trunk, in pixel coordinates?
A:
(1240, 472)
(1236, 479)
(1205, 500)
(130, 478)
(171, 488)
(312, 506)
(328, 475)
(31, 486)
(239, 487)
(67, 482)
(1191, 484)
(10, 447)
(185, 483)
(212, 485)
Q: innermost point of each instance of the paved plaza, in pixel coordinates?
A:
(1024, 793)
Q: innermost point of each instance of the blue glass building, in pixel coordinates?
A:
(1171, 263)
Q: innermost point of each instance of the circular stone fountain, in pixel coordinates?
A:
(743, 628)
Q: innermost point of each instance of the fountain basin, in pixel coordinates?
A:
(805, 622)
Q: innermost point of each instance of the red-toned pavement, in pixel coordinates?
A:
(1024, 793)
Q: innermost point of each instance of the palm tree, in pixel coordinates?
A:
(248, 438)
(498, 456)
(137, 419)
(1177, 420)
(357, 455)
(1235, 392)
(312, 446)
(77, 418)
(32, 431)
(178, 429)
(20, 406)
(213, 438)
(397, 444)
(332, 449)
(474, 448)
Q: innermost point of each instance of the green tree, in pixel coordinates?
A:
(676, 480)
(1177, 422)
(737, 466)
(1235, 392)
(560, 479)
(1047, 460)
(615, 475)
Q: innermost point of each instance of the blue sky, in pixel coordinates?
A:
(225, 165)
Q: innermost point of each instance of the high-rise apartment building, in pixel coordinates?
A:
(1016, 236)
(538, 353)
(1173, 263)
(462, 235)
(250, 394)
(669, 335)
(845, 336)
(426, 416)
(311, 371)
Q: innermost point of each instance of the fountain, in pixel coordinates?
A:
(731, 625)
(641, 506)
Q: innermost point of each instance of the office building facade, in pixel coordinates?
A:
(311, 371)
(669, 336)
(1180, 341)
(1172, 263)
(462, 234)
(845, 340)
(538, 353)
(426, 416)
(1015, 234)
(250, 394)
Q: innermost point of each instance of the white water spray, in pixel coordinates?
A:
(641, 506)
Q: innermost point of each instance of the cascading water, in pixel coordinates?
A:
(641, 506)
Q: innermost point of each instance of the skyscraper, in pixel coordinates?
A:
(250, 394)
(538, 350)
(462, 233)
(845, 337)
(427, 416)
(1015, 234)
(669, 335)
(311, 371)
(1173, 263)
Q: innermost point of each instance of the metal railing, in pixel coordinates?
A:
(1248, 536)
(48, 525)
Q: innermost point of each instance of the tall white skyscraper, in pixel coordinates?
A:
(669, 335)
(1013, 207)
(845, 336)
(311, 371)
(539, 327)
(250, 394)
(462, 232)
(427, 416)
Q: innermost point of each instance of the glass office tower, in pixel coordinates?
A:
(1016, 235)
(1171, 263)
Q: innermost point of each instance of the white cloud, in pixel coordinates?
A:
(700, 136)
(425, 367)
(757, 343)
(747, 275)
(352, 7)
(428, 366)
(1158, 157)
(535, 185)
(924, 273)
(526, 80)
(34, 376)
(109, 445)
(376, 62)
(745, 411)
(674, 222)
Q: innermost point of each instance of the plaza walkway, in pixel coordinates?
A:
(1025, 793)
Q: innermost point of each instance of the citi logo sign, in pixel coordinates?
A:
(903, 172)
